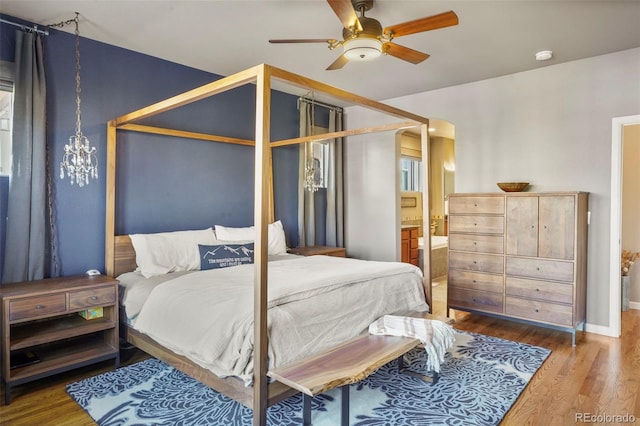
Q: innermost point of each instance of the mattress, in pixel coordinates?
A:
(314, 304)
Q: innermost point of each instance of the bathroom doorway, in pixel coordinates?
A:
(441, 169)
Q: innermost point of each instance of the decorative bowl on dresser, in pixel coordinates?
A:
(520, 256)
(513, 186)
(44, 333)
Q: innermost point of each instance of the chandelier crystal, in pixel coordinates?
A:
(80, 160)
(311, 181)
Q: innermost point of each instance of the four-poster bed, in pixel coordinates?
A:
(120, 255)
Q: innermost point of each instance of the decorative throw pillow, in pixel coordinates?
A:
(225, 255)
(164, 252)
(277, 243)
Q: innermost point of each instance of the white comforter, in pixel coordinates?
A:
(207, 316)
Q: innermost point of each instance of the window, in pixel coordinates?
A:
(6, 116)
(320, 159)
(411, 175)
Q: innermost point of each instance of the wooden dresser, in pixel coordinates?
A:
(44, 334)
(520, 255)
(409, 245)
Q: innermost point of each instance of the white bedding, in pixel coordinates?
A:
(314, 304)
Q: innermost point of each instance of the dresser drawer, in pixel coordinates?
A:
(476, 281)
(552, 313)
(476, 300)
(93, 297)
(480, 204)
(477, 224)
(476, 262)
(540, 268)
(480, 243)
(542, 290)
(34, 307)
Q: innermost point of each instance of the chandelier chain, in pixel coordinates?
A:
(80, 160)
(78, 112)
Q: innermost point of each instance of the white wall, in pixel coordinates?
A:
(550, 126)
(631, 202)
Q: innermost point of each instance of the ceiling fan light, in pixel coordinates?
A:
(362, 48)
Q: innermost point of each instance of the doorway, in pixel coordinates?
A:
(619, 125)
(433, 225)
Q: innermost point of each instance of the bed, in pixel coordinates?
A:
(120, 256)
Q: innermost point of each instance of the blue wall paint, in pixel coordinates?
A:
(163, 183)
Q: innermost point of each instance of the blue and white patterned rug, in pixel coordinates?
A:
(480, 379)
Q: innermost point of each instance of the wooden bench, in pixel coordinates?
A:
(348, 363)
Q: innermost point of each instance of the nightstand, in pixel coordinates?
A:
(43, 332)
(319, 250)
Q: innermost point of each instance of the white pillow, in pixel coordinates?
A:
(277, 243)
(164, 252)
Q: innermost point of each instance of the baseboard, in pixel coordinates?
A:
(600, 329)
(634, 305)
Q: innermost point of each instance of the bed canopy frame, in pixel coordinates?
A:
(119, 254)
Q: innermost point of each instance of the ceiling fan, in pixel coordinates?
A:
(364, 38)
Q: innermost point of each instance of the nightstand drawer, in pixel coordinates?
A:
(92, 297)
(35, 307)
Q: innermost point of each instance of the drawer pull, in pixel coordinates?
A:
(537, 289)
(537, 310)
(538, 268)
(93, 298)
(474, 281)
(475, 262)
(533, 226)
(39, 306)
(475, 243)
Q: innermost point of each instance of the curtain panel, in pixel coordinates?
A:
(307, 206)
(25, 245)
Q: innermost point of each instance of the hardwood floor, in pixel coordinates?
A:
(600, 376)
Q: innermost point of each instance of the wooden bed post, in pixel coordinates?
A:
(426, 213)
(110, 208)
(261, 206)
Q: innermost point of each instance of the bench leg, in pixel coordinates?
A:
(344, 419)
(306, 410)
(433, 379)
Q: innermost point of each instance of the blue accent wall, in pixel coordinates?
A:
(163, 183)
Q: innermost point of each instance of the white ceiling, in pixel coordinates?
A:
(493, 38)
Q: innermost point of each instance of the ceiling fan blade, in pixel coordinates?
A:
(404, 53)
(346, 13)
(304, 40)
(442, 20)
(338, 63)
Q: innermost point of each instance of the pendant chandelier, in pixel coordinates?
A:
(312, 172)
(80, 160)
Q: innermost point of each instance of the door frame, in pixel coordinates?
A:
(617, 128)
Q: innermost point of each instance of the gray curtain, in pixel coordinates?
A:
(25, 245)
(335, 208)
(306, 204)
(334, 227)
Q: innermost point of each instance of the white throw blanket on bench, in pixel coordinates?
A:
(436, 336)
